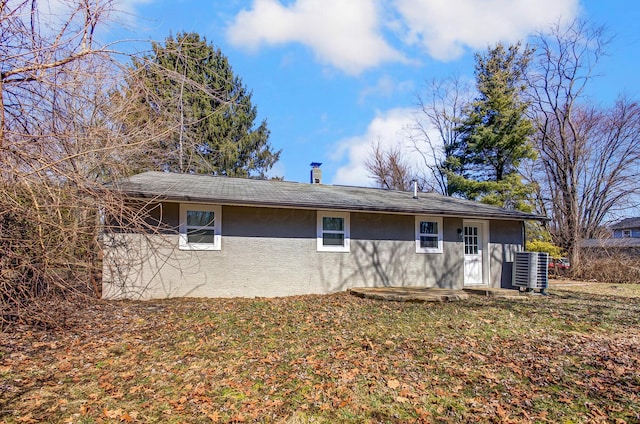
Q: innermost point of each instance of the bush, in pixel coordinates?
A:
(609, 268)
(48, 252)
(546, 247)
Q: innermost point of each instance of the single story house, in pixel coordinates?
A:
(626, 228)
(230, 237)
(623, 240)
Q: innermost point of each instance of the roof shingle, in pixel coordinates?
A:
(627, 223)
(250, 192)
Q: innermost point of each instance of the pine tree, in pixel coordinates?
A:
(495, 133)
(200, 114)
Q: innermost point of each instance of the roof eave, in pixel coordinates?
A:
(326, 206)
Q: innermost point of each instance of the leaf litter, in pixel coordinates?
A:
(568, 357)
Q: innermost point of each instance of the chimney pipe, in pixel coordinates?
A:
(316, 173)
(415, 189)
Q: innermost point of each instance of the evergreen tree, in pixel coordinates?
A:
(187, 98)
(495, 133)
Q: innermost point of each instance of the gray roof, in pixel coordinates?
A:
(627, 223)
(250, 192)
(626, 242)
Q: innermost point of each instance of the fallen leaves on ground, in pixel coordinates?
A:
(566, 357)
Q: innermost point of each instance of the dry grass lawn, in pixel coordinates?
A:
(572, 356)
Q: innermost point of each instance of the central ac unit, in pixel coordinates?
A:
(531, 271)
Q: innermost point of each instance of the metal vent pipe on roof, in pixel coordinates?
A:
(415, 189)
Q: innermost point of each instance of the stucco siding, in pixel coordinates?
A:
(506, 238)
(272, 252)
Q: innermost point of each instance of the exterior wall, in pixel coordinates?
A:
(506, 238)
(635, 232)
(271, 252)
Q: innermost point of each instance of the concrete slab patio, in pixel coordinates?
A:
(430, 294)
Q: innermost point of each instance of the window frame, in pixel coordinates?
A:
(346, 246)
(217, 226)
(627, 233)
(428, 218)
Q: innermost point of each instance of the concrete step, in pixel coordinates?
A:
(493, 292)
(409, 294)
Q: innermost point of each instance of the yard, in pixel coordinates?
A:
(572, 356)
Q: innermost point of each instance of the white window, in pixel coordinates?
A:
(626, 233)
(200, 227)
(428, 234)
(333, 231)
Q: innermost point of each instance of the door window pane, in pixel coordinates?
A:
(471, 240)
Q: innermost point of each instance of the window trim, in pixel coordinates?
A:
(217, 226)
(346, 216)
(428, 218)
(627, 233)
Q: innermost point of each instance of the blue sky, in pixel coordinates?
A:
(334, 76)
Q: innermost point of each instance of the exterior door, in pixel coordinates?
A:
(473, 252)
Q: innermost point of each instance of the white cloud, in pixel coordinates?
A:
(445, 27)
(390, 129)
(386, 87)
(344, 34)
(353, 35)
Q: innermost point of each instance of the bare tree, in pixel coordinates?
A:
(437, 136)
(37, 45)
(60, 140)
(68, 127)
(589, 157)
(390, 168)
(434, 137)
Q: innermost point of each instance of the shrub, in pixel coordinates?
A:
(609, 267)
(546, 247)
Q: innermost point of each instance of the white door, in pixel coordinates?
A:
(473, 253)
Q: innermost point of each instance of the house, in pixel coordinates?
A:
(229, 237)
(623, 240)
(627, 228)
